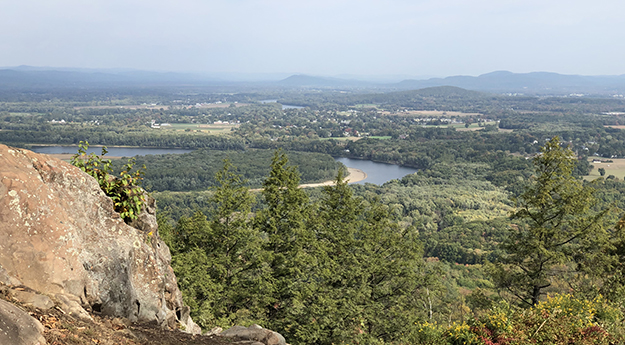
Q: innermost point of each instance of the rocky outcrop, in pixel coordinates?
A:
(253, 335)
(17, 327)
(60, 237)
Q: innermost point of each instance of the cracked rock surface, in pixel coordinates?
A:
(61, 237)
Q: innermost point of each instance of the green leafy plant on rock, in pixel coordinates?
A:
(124, 190)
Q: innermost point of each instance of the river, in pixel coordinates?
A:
(112, 151)
(377, 173)
(284, 106)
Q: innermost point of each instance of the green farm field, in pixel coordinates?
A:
(203, 128)
(433, 113)
(616, 168)
(385, 137)
(461, 126)
(341, 138)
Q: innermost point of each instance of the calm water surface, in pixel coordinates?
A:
(288, 106)
(112, 151)
(284, 106)
(377, 173)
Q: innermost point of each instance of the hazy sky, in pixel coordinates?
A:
(320, 37)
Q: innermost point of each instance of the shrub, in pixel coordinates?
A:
(561, 319)
(124, 190)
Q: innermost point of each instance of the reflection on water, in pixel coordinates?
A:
(112, 151)
(377, 173)
(284, 106)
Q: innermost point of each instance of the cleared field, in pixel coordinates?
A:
(353, 175)
(461, 127)
(610, 126)
(356, 138)
(200, 128)
(616, 168)
(166, 107)
(220, 105)
(24, 114)
(342, 138)
(433, 113)
(140, 106)
(473, 126)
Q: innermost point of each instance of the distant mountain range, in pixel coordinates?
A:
(301, 80)
(529, 83)
(496, 82)
(37, 77)
(535, 83)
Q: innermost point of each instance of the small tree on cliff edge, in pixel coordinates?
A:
(557, 231)
(124, 190)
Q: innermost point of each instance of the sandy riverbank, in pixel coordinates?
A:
(355, 175)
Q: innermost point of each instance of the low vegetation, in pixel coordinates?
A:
(560, 319)
(124, 189)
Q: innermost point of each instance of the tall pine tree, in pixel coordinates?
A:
(557, 231)
(372, 274)
(290, 245)
(219, 261)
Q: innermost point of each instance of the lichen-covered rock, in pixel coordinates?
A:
(60, 236)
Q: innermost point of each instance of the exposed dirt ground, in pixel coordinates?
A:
(63, 329)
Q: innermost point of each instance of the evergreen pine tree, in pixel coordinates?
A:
(235, 251)
(218, 261)
(557, 230)
(372, 274)
(289, 246)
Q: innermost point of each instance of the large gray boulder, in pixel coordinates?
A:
(60, 236)
(19, 328)
(253, 334)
